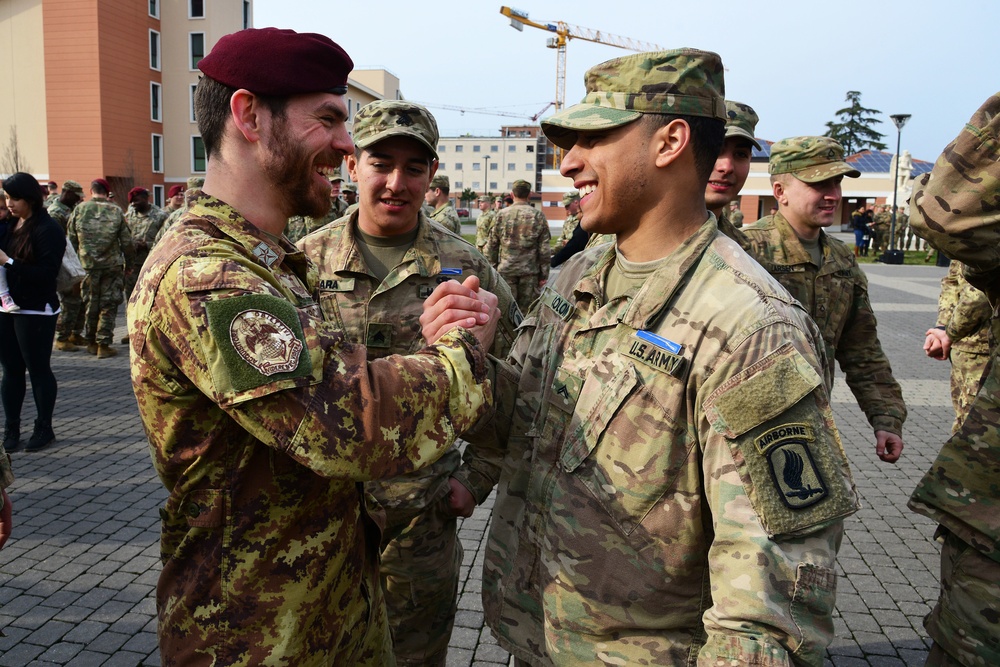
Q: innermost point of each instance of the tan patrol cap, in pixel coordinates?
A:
(810, 159)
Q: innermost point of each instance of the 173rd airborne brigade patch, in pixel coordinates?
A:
(792, 467)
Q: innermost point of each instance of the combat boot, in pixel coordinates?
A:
(11, 436)
(77, 339)
(105, 351)
(92, 346)
(66, 346)
(40, 437)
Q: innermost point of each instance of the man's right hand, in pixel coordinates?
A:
(465, 305)
(937, 344)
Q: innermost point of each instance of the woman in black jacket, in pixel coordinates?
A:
(31, 250)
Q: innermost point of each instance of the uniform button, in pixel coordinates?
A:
(193, 510)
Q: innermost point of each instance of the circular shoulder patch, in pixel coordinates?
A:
(265, 342)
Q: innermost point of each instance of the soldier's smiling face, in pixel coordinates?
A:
(392, 177)
(729, 173)
(808, 206)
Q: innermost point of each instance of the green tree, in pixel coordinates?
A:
(468, 195)
(854, 127)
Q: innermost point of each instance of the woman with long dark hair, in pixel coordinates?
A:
(31, 250)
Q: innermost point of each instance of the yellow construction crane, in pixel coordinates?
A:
(565, 32)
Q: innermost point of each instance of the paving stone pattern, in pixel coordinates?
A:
(77, 578)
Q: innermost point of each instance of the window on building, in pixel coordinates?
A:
(512, 148)
(442, 165)
(458, 185)
(441, 148)
(475, 149)
(196, 9)
(511, 166)
(530, 148)
(154, 8)
(494, 166)
(493, 185)
(475, 185)
(494, 148)
(246, 14)
(529, 166)
(459, 148)
(198, 160)
(475, 167)
(197, 48)
(458, 166)
(154, 50)
(194, 86)
(157, 153)
(158, 195)
(154, 102)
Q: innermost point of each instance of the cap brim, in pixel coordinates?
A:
(825, 171)
(562, 128)
(397, 132)
(734, 131)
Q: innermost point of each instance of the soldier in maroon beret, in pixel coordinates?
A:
(262, 418)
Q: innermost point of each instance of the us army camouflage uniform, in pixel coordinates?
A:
(263, 422)
(446, 216)
(902, 229)
(737, 218)
(836, 295)
(299, 226)
(883, 225)
(569, 226)
(639, 471)
(954, 207)
(599, 239)
(484, 223)
(144, 228)
(421, 553)
(72, 318)
(518, 246)
(965, 313)
(733, 232)
(176, 215)
(100, 236)
(60, 213)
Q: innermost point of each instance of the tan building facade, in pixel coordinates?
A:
(490, 165)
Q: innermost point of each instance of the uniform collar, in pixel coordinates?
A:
(790, 250)
(425, 252)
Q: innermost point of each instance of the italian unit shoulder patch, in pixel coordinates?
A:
(265, 342)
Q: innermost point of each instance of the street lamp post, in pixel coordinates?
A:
(899, 120)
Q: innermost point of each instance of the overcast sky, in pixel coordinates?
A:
(793, 61)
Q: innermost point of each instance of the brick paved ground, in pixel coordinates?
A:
(76, 580)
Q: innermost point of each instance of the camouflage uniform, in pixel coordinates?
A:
(902, 229)
(737, 218)
(883, 225)
(733, 232)
(836, 295)
(518, 246)
(101, 238)
(954, 207)
(620, 452)
(72, 316)
(421, 554)
(672, 479)
(60, 213)
(446, 216)
(194, 184)
(144, 228)
(263, 421)
(964, 313)
(484, 223)
(570, 224)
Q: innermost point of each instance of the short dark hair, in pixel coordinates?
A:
(211, 109)
(707, 137)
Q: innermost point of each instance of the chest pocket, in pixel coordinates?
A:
(834, 304)
(623, 445)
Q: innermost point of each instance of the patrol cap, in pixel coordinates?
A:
(395, 118)
(72, 186)
(681, 81)
(174, 191)
(521, 183)
(440, 181)
(278, 62)
(336, 178)
(810, 159)
(741, 121)
(485, 198)
(195, 182)
(350, 187)
(570, 197)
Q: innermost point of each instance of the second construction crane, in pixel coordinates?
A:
(565, 32)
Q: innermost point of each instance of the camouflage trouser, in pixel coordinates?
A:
(421, 557)
(966, 377)
(525, 290)
(965, 623)
(103, 290)
(900, 237)
(72, 318)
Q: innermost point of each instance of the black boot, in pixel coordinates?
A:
(11, 436)
(41, 436)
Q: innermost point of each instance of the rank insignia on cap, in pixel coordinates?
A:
(265, 342)
(265, 254)
(794, 472)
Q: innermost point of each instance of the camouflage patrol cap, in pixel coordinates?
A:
(810, 159)
(72, 186)
(395, 118)
(336, 178)
(521, 183)
(350, 187)
(485, 198)
(682, 81)
(440, 181)
(741, 121)
(195, 182)
(570, 197)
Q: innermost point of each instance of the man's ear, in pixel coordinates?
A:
(670, 141)
(778, 189)
(352, 166)
(245, 109)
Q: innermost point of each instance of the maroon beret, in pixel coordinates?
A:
(174, 191)
(103, 183)
(279, 63)
(136, 191)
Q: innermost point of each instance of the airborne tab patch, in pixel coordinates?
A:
(779, 434)
(557, 304)
(658, 352)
